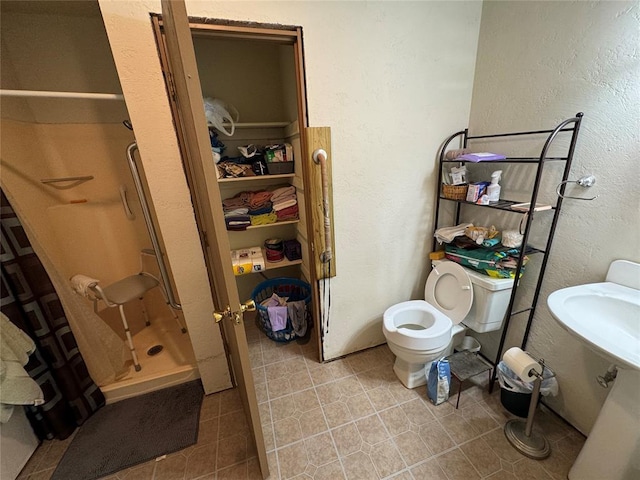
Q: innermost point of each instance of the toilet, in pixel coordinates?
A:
(455, 298)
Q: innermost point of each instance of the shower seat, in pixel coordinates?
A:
(126, 290)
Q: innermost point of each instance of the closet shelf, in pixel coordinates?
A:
(510, 160)
(504, 205)
(256, 125)
(276, 224)
(274, 265)
(52, 94)
(255, 178)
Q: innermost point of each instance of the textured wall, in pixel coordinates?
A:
(541, 62)
(390, 79)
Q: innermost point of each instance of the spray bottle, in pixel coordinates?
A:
(493, 190)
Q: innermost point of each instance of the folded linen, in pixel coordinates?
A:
(289, 213)
(242, 199)
(82, 284)
(282, 205)
(264, 219)
(266, 208)
(236, 211)
(281, 192)
(238, 222)
(258, 199)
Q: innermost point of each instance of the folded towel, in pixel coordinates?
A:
(82, 284)
(242, 199)
(282, 205)
(278, 193)
(289, 213)
(264, 219)
(236, 211)
(237, 222)
(16, 386)
(266, 208)
(258, 199)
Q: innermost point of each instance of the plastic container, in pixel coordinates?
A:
(493, 190)
(292, 288)
(516, 402)
(274, 250)
(279, 168)
(468, 343)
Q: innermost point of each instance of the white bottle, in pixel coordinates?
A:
(493, 190)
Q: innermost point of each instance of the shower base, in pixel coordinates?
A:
(173, 365)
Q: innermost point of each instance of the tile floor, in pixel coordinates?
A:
(347, 419)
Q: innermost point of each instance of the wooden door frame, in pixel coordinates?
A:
(283, 34)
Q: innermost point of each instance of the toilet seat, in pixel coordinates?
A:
(449, 289)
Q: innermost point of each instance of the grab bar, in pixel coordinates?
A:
(125, 203)
(320, 156)
(76, 180)
(151, 227)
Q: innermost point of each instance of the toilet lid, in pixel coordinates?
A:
(449, 289)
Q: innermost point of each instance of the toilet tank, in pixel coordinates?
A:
(490, 301)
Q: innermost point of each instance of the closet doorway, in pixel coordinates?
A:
(259, 70)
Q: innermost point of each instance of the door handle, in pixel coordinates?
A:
(248, 306)
(218, 316)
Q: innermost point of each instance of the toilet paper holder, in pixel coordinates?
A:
(520, 433)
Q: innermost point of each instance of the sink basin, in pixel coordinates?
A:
(606, 316)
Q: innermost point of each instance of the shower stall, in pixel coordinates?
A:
(65, 171)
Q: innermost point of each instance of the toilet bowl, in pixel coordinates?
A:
(420, 331)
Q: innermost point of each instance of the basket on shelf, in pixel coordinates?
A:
(292, 288)
(455, 192)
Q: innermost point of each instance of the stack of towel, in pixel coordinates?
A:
(285, 203)
(260, 208)
(236, 211)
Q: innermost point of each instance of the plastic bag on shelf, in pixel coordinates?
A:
(218, 113)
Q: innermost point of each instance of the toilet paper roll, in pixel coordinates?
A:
(521, 364)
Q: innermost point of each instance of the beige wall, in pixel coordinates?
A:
(541, 62)
(391, 80)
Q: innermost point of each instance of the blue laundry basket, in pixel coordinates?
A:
(292, 288)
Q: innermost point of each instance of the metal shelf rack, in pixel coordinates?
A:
(570, 126)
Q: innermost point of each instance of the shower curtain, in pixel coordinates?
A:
(85, 336)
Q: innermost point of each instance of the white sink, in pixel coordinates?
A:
(606, 316)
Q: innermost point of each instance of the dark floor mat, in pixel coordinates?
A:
(133, 431)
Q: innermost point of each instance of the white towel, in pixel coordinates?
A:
(447, 234)
(16, 386)
(81, 284)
